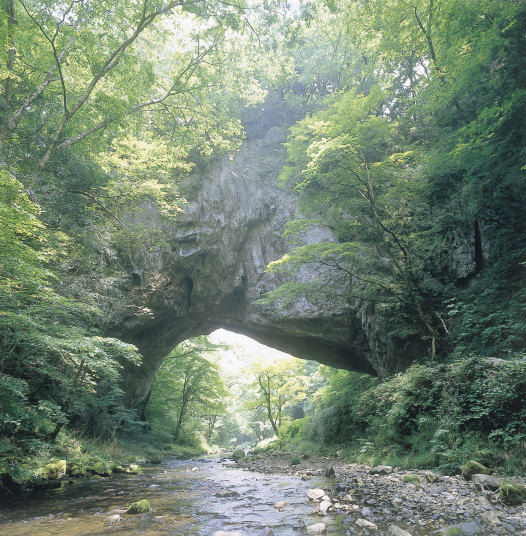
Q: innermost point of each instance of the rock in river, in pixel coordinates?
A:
(227, 493)
(139, 507)
(317, 528)
(315, 493)
(324, 507)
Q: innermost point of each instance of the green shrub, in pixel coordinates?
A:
(432, 415)
(238, 454)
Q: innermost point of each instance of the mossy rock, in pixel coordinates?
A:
(119, 469)
(54, 470)
(134, 469)
(512, 494)
(295, 461)
(411, 479)
(238, 454)
(75, 469)
(102, 468)
(139, 507)
(473, 467)
(155, 460)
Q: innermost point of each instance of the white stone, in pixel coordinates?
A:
(324, 507)
(315, 493)
(280, 505)
(317, 528)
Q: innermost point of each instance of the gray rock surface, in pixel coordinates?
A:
(209, 272)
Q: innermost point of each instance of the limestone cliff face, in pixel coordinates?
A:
(213, 274)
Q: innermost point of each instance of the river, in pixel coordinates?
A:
(182, 494)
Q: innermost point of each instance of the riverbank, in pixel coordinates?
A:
(45, 465)
(413, 500)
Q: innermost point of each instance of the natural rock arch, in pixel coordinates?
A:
(213, 274)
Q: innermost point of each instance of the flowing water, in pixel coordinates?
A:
(182, 494)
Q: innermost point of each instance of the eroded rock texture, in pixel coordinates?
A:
(213, 274)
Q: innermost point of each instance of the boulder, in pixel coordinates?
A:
(381, 470)
(54, 470)
(490, 518)
(280, 505)
(315, 493)
(134, 469)
(75, 469)
(329, 472)
(364, 524)
(430, 476)
(227, 493)
(119, 469)
(486, 481)
(473, 467)
(139, 507)
(317, 528)
(512, 494)
(324, 507)
(101, 468)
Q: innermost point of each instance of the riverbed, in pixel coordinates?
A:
(202, 496)
(182, 494)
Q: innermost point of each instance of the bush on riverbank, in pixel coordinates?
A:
(29, 469)
(432, 415)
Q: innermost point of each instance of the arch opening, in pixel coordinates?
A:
(228, 390)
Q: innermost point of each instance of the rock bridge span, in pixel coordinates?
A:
(212, 274)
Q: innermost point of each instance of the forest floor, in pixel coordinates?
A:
(385, 494)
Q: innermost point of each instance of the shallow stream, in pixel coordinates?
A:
(182, 494)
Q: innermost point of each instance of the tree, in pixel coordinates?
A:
(397, 172)
(188, 387)
(277, 386)
(80, 57)
(53, 366)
